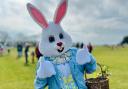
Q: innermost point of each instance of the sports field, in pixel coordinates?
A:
(15, 75)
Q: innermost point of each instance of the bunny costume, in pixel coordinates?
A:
(61, 67)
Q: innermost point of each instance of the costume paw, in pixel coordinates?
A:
(83, 56)
(46, 69)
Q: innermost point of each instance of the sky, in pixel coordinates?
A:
(95, 21)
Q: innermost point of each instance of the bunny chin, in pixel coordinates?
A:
(54, 40)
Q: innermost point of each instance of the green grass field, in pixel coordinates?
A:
(15, 75)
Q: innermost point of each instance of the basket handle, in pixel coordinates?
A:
(101, 69)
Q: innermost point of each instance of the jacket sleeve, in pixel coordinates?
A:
(40, 83)
(91, 66)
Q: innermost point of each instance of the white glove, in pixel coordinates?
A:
(46, 69)
(83, 56)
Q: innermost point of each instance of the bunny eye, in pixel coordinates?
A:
(61, 36)
(51, 39)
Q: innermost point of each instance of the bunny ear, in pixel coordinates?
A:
(37, 16)
(60, 12)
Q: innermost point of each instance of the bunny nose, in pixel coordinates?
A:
(59, 44)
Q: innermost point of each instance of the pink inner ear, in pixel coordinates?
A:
(60, 12)
(38, 17)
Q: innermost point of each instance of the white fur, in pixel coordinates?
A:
(46, 69)
(83, 56)
(50, 49)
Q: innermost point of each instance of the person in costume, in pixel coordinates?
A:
(61, 66)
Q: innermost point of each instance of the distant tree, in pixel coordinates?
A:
(125, 40)
(3, 37)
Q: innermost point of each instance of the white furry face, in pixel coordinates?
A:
(54, 41)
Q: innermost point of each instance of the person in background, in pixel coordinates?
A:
(90, 47)
(9, 50)
(82, 45)
(77, 45)
(33, 57)
(19, 50)
(37, 52)
(26, 53)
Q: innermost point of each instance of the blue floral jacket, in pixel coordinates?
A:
(77, 71)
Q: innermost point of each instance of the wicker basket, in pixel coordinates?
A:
(97, 83)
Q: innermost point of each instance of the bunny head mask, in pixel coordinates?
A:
(54, 40)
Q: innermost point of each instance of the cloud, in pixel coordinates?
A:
(14, 17)
(96, 21)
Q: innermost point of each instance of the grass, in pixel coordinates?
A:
(117, 60)
(15, 75)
